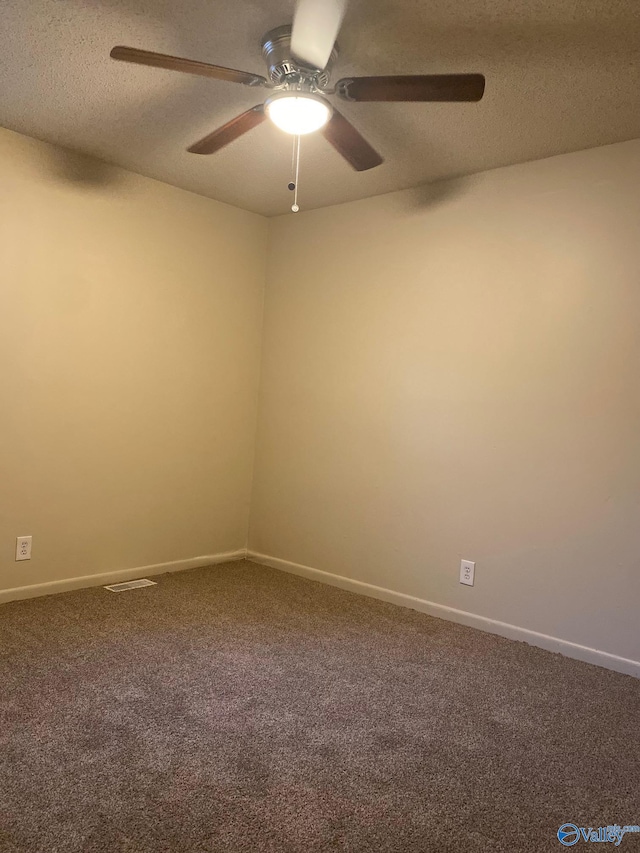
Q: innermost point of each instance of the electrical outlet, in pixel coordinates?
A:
(23, 547)
(467, 572)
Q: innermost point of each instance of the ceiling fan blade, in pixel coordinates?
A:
(229, 132)
(426, 87)
(189, 66)
(315, 28)
(350, 143)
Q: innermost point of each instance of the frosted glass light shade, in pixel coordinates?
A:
(298, 113)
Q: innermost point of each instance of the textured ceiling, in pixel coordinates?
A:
(561, 75)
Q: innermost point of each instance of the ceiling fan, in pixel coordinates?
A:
(299, 60)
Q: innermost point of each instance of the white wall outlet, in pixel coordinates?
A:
(467, 572)
(23, 547)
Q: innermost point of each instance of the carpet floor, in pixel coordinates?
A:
(239, 708)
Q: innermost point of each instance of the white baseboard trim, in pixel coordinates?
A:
(53, 587)
(472, 620)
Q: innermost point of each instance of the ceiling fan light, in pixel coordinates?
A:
(298, 113)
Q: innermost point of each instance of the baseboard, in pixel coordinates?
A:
(492, 626)
(53, 587)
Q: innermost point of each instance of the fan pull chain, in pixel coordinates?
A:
(296, 158)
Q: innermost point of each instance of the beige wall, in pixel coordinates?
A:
(446, 374)
(456, 374)
(130, 318)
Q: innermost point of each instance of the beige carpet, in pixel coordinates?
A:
(239, 709)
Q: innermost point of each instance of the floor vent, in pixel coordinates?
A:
(122, 587)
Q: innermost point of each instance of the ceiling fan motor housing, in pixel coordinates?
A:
(276, 50)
